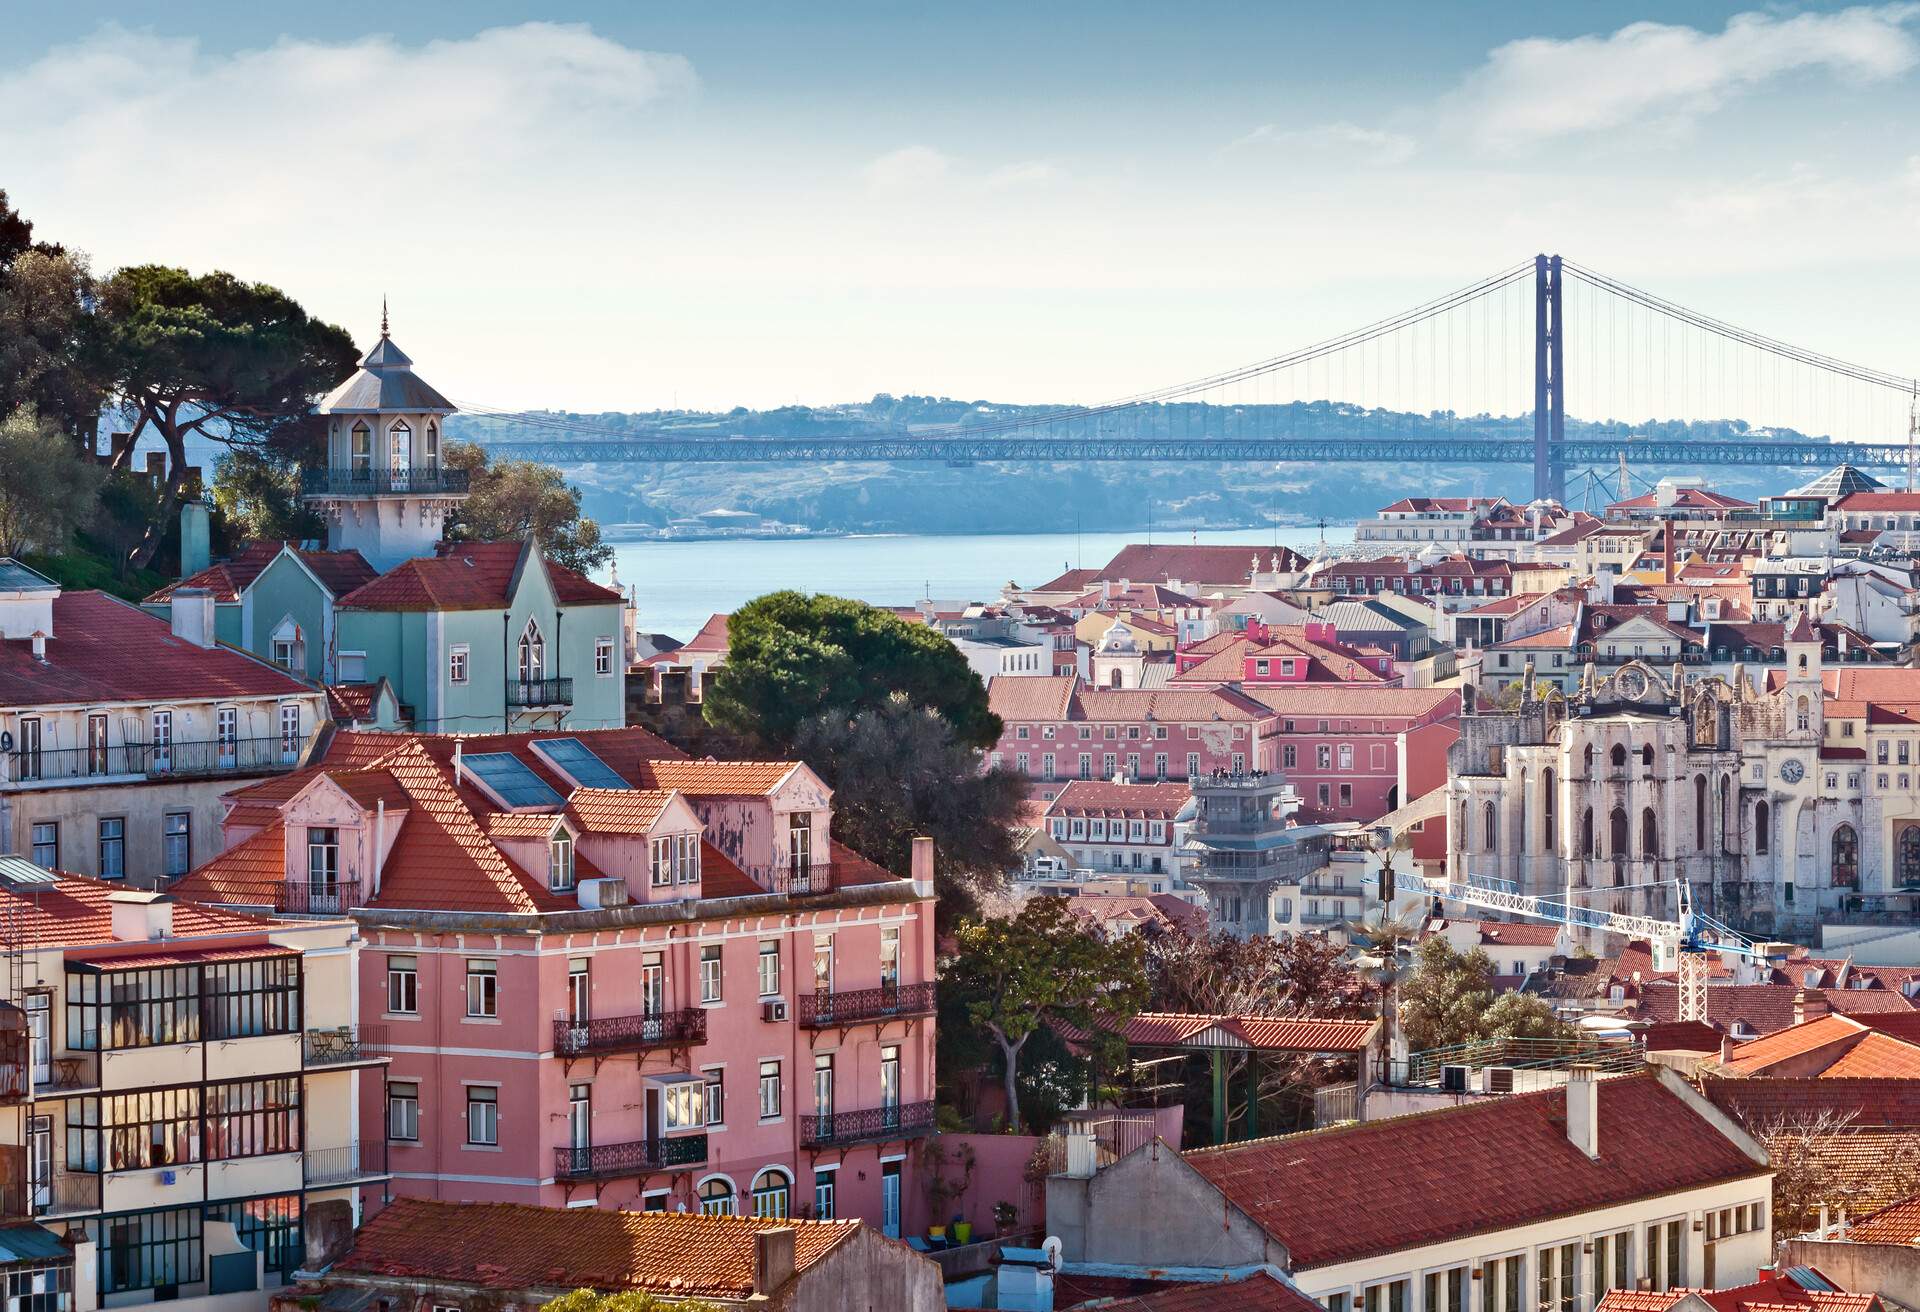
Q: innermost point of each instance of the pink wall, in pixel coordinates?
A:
(1373, 745)
(1214, 742)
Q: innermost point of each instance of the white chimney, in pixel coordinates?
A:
(458, 779)
(1583, 1109)
(922, 867)
(192, 614)
(140, 917)
(39, 646)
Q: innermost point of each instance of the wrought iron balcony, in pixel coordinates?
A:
(605, 1034)
(822, 1010)
(367, 481)
(176, 760)
(801, 880)
(606, 1161)
(345, 1045)
(68, 1193)
(336, 1166)
(539, 692)
(876, 1125)
(301, 897)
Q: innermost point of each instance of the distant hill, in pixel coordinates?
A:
(1014, 497)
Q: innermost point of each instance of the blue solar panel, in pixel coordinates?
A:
(508, 778)
(577, 761)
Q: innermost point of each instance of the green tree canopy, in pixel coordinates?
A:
(43, 350)
(1448, 999)
(236, 362)
(47, 488)
(518, 498)
(1044, 967)
(633, 1300)
(795, 656)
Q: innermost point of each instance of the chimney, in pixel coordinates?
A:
(459, 779)
(1583, 1109)
(195, 552)
(1809, 1005)
(922, 869)
(140, 917)
(40, 646)
(379, 843)
(191, 610)
(772, 1260)
(1726, 1048)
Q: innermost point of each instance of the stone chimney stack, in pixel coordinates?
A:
(191, 610)
(922, 868)
(772, 1260)
(1809, 1004)
(1583, 1109)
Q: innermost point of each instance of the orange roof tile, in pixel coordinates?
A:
(514, 1246)
(1877, 1056)
(618, 810)
(73, 911)
(1898, 1224)
(1755, 1057)
(1259, 1292)
(469, 576)
(716, 778)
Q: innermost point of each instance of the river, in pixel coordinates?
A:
(679, 584)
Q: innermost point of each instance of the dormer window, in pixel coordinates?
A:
(560, 860)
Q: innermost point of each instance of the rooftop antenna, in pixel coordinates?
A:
(383, 314)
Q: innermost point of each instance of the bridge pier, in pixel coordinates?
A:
(1549, 382)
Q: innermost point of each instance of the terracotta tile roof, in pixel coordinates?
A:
(1425, 504)
(1686, 498)
(521, 824)
(1259, 1292)
(720, 877)
(1877, 1056)
(1149, 596)
(348, 702)
(1355, 700)
(340, 571)
(1170, 705)
(1216, 565)
(1896, 1224)
(1872, 1103)
(514, 1246)
(1681, 1036)
(74, 911)
(1074, 580)
(1795, 1041)
(1865, 1002)
(1771, 1293)
(1467, 1170)
(1504, 933)
(469, 576)
(1030, 698)
(1228, 665)
(1562, 636)
(1163, 1029)
(715, 778)
(1764, 1008)
(617, 810)
(106, 650)
(1155, 913)
(1144, 801)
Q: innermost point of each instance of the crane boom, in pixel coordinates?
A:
(1490, 894)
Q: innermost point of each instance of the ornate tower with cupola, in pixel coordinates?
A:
(385, 490)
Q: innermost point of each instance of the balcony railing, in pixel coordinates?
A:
(540, 692)
(875, 1125)
(346, 1044)
(335, 1166)
(603, 1034)
(819, 877)
(367, 481)
(819, 1010)
(175, 760)
(68, 1193)
(302, 897)
(607, 1160)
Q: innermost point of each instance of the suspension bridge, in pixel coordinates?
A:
(1487, 374)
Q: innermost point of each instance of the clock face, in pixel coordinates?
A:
(1792, 771)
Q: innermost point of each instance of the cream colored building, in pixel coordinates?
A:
(179, 1089)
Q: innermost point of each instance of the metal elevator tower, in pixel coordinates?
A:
(1549, 382)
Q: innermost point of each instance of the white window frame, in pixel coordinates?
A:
(483, 988)
(457, 658)
(603, 657)
(403, 985)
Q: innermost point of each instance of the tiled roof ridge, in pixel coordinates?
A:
(425, 780)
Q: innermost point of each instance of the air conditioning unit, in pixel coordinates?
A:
(597, 893)
(1499, 1079)
(1453, 1079)
(774, 1009)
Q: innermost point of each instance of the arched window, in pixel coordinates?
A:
(360, 453)
(1586, 832)
(771, 1193)
(1549, 810)
(1617, 833)
(533, 654)
(1800, 716)
(1113, 678)
(1490, 825)
(1646, 756)
(1466, 829)
(1907, 869)
(1846, 857)
(1649, 835)
(1726, 814)
(716, 1197)
(1700, 812)
(1618, 755)
(1762, 829)
(1520, 814)
(433, 445)
(1588, 754)
(399, 445)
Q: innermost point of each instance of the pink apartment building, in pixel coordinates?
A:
(1056, 729)
(611, 975)
(1263, 654)
(1356, 752)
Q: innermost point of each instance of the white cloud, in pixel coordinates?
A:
(1539, 88)
(1343, 142)
(907, 168)
(1027, 173)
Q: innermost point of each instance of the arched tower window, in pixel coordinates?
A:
(1649, 835)
(1617, 833)
(1846, 857)
(1907, 857)
(399, 445)
(1801, 717)
(1726, 813)
(1113, 678)
(433, 445)
(360, 452)
(1589, 760)
(1700, 812)
(1586, 832)
(1549, 813)
(1762, 829)
(533, 654)
(1646, 756)
(1490, 824)
(1619, 755)
(1520, 814)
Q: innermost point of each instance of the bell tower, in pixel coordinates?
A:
(386, 490)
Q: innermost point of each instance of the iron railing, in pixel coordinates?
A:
(68, 1193)
(345, 1044)
(578, 1038)
(357, 1161)
(607, 1160)
(1424, 1067)
(302, 897)
(367, 481)
(817, 877)
(819, 1010)
(175, 760)
(907, 1120)
(540, 692)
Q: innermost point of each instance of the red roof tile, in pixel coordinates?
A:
(617, 810)
(1216, 565)
(1259, 1292)
(1145, 801)
(340, 571)
(715, 778)
(513, 1246)
(350, 702)
(106, 650)
(1872, 1103)
(1898, 1224)
(469, 576)
(1469, 1170)
(74, 911)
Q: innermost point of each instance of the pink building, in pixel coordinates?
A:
(1061, 728)
(1355, 752)
(611, 975)
(1279, 655)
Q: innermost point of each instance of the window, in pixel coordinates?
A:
(1762, 829)
(133, 1008)
(403, 985)
(532, 653)
(403, 1111)
(716, 1198)
(1346, 756)
(560, 859)
(1289, 756)
(1649, 834)
(483, 989)
(399, 445)
(771, 1194)
(323, 859)
(433, 446)
(40, 1287)
(1323, 757)
(457, 663)
(710, 973)
(226, 732)
(1446, 1291)
(290, 734)
(245, 999)
(1500, 1284)
(1556, 1268)
(716, 1095)
(823, 1179)
(148, 1250)
(603, 656)
(361, 452)
(1388, 1297)
(1346, 794)
(770, 969)
(1846, 857)
(1612, 1263)
(162, 744)
(579, 990)
(1618, 755)
(283, 653)
(1490, 826)
(684, 1105)
(46, 844)
(769, 1089)
(890, 957)
(253, 1118)
(1193, 765)
(1666, 1266)
(483, 1114)
(113, 847)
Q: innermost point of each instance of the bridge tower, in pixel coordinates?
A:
(1549, 382)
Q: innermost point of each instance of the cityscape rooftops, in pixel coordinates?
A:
(340, 571)
(471, 576)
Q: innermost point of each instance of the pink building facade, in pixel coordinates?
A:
(673, 994)
(1059, 729)
(1356, 753)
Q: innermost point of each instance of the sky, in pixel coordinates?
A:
(629, 205)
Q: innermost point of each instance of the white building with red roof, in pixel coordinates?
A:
(1121, 831)
(119, 730)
